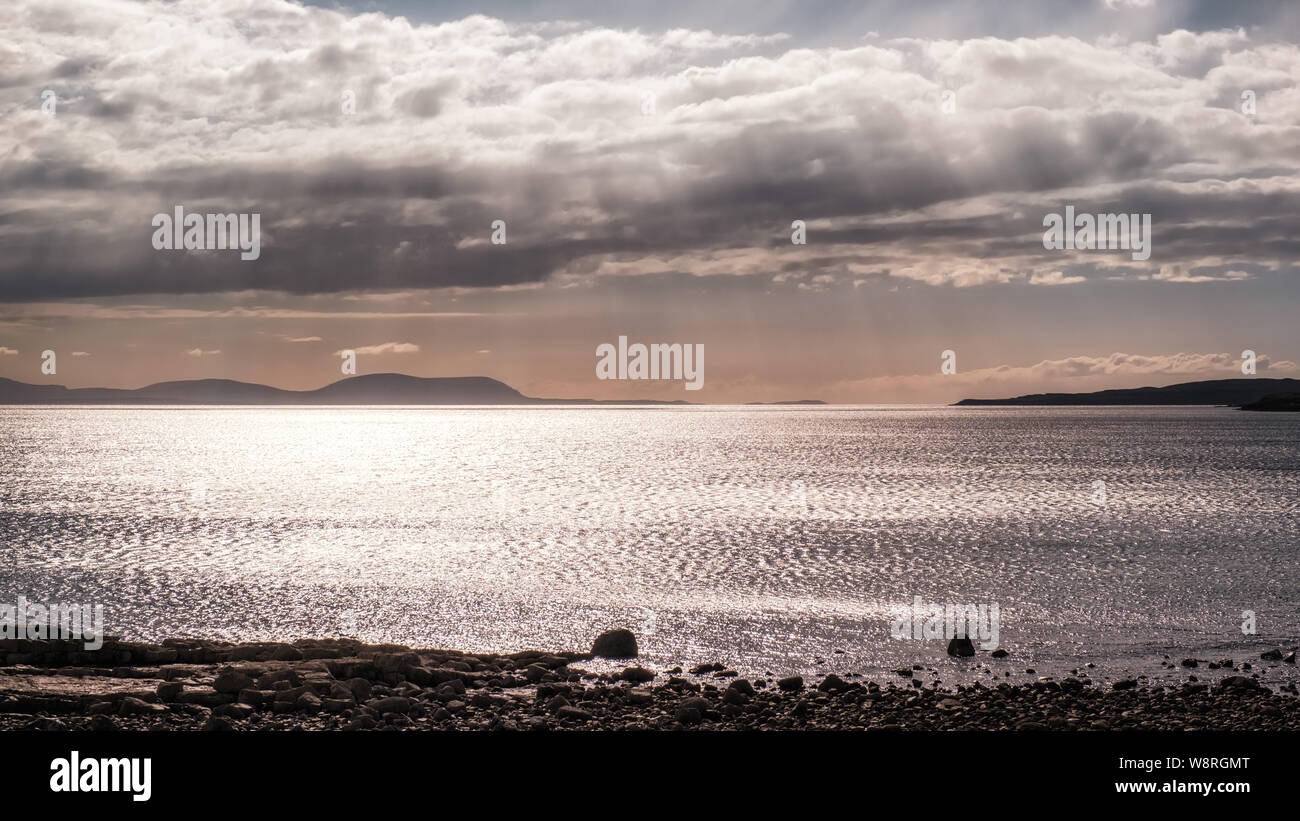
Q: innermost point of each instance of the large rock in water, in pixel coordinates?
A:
(615, 644)
(961, 647)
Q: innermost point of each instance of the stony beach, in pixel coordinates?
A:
(345, 685)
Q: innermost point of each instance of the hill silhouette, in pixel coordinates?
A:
(369, 389)
(1275, 402)
(1208, 392)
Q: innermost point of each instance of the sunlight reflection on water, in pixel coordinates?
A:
(765, 538)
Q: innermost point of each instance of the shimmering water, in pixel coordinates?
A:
(763, 538)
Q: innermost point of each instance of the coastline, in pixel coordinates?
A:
(345, 685)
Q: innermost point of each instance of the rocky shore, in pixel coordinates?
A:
(340, 684)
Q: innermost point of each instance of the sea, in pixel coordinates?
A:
(1111, 542)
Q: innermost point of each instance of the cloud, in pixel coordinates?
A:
(1180, 364)
(80, 353)
(302, 339)
(386, 348)
(1053, 278)
(8, 351)
(1179, 273)
(90, 310)
(199, 353)
(460, 123)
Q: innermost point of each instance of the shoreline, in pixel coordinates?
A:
(344, 685)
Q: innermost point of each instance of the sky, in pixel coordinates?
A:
(648, 166)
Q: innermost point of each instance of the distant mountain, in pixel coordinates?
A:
(1209, 392)
(207, 391)
(371, 389)
(791, 402)
(1275, 402)
(399, 389)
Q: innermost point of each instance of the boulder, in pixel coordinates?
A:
(132, 706)
(46, 723)
(231, 681)
(692, 710)
(362, 722)
(556, 703)
(234, 710)
(734, 696)
(486, 700)
(742, 685)
(696, 703)
(340, 691)
(286, 652)
(360, 688)
(102, 724)
(1241, 684)
(390, 704)
(615, 644)
(961, 647)
(267, 681)
(392, 662)
(419, 676)
(170, 690)
(291, 695)
(573, 714)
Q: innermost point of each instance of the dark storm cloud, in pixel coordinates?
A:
(839, 22)
(617, 152)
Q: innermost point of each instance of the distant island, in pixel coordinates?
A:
(1275, 402)
(1238, 392)
(369, 389)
